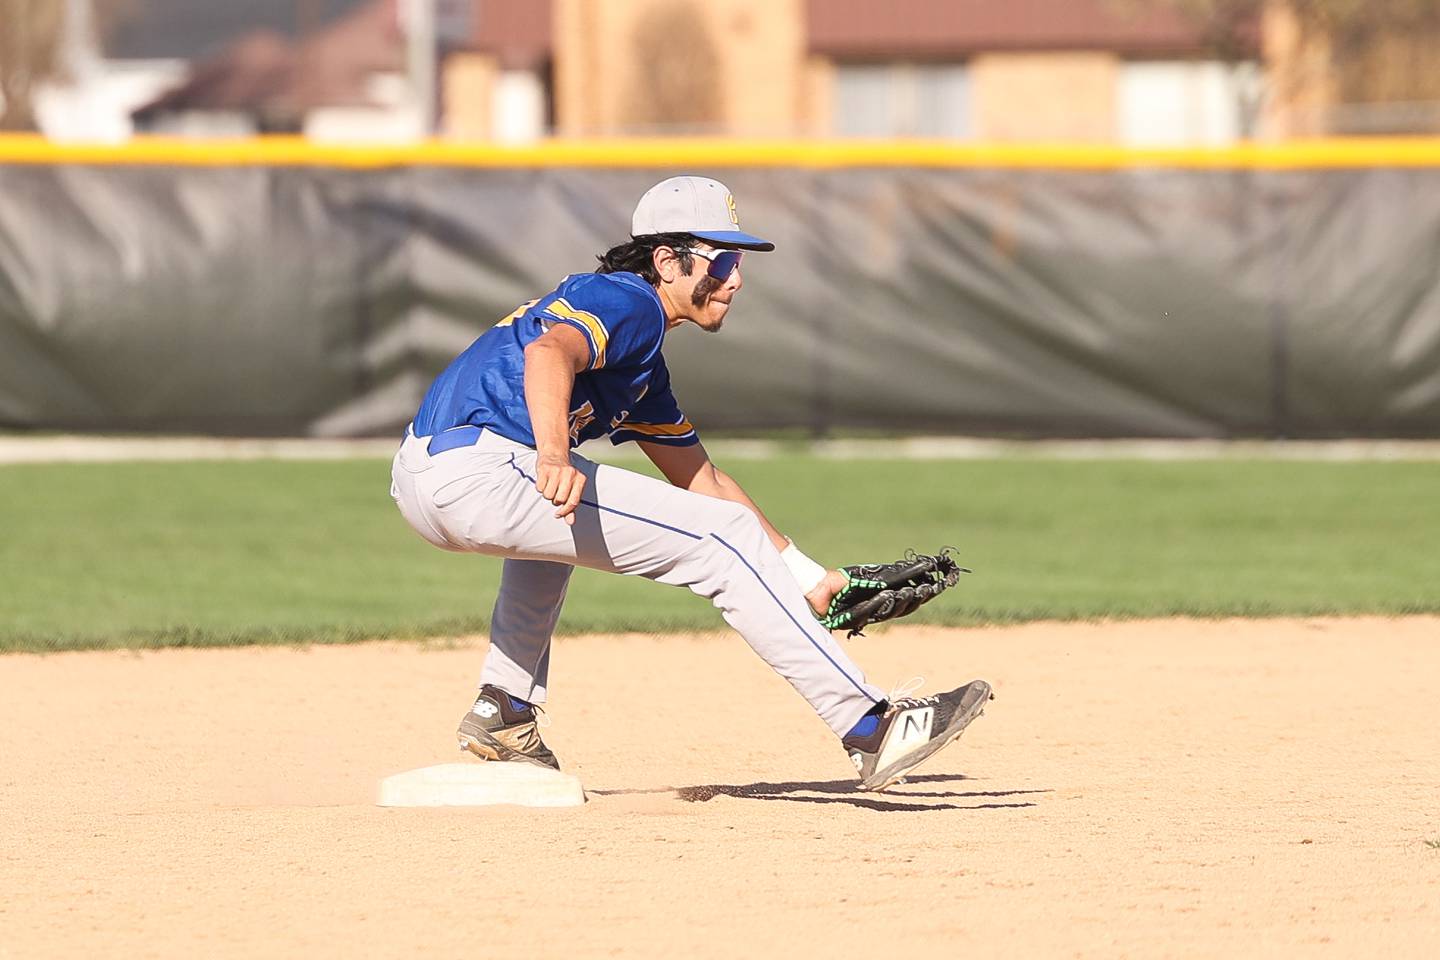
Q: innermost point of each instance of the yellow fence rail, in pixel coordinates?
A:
(650, 153)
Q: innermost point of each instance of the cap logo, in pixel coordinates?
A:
(730, 205)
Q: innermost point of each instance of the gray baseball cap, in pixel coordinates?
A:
(698, 206)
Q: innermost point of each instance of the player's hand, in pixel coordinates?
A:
(819, 598)
(559, 482)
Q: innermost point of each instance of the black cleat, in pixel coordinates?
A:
(494, 730)
(911, 729)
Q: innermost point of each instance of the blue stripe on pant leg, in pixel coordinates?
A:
(695, 536)
(591, 503)
(787, 613)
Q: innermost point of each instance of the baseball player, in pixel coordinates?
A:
(487, 466)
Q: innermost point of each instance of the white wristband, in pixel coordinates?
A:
(806, 572)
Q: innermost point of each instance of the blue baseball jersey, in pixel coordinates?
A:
(624, 390)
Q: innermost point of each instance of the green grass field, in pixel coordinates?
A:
(143, 554)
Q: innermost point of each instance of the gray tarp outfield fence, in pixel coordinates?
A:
(305, 299)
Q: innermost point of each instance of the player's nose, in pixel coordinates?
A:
(736, 281)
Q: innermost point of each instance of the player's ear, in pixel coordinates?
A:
(666, 262)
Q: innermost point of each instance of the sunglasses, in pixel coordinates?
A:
(722, 262)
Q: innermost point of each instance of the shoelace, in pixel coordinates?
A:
(900, 694)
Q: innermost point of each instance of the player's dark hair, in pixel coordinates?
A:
(637, 255)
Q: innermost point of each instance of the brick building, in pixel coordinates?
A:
(992, 70)
(1068, 71)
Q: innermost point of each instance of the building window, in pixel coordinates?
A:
(1187, 102)
(902, 100)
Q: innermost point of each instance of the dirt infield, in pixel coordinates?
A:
(1140, 789)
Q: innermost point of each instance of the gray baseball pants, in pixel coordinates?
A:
(482, 499)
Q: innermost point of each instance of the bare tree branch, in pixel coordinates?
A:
(1380, 51)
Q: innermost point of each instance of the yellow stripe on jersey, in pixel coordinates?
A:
(660, 429)
(519, 312)
(599, 336)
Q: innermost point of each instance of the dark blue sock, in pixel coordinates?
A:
(518, 705)
(869, 723)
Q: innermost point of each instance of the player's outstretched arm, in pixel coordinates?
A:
(691, 468)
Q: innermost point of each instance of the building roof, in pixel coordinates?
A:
(517, 32)
(191, 29)
(864, 29)
(279, 80)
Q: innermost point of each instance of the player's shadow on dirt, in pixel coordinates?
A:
(844, 791)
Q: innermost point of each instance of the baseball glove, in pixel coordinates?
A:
(885, 591)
